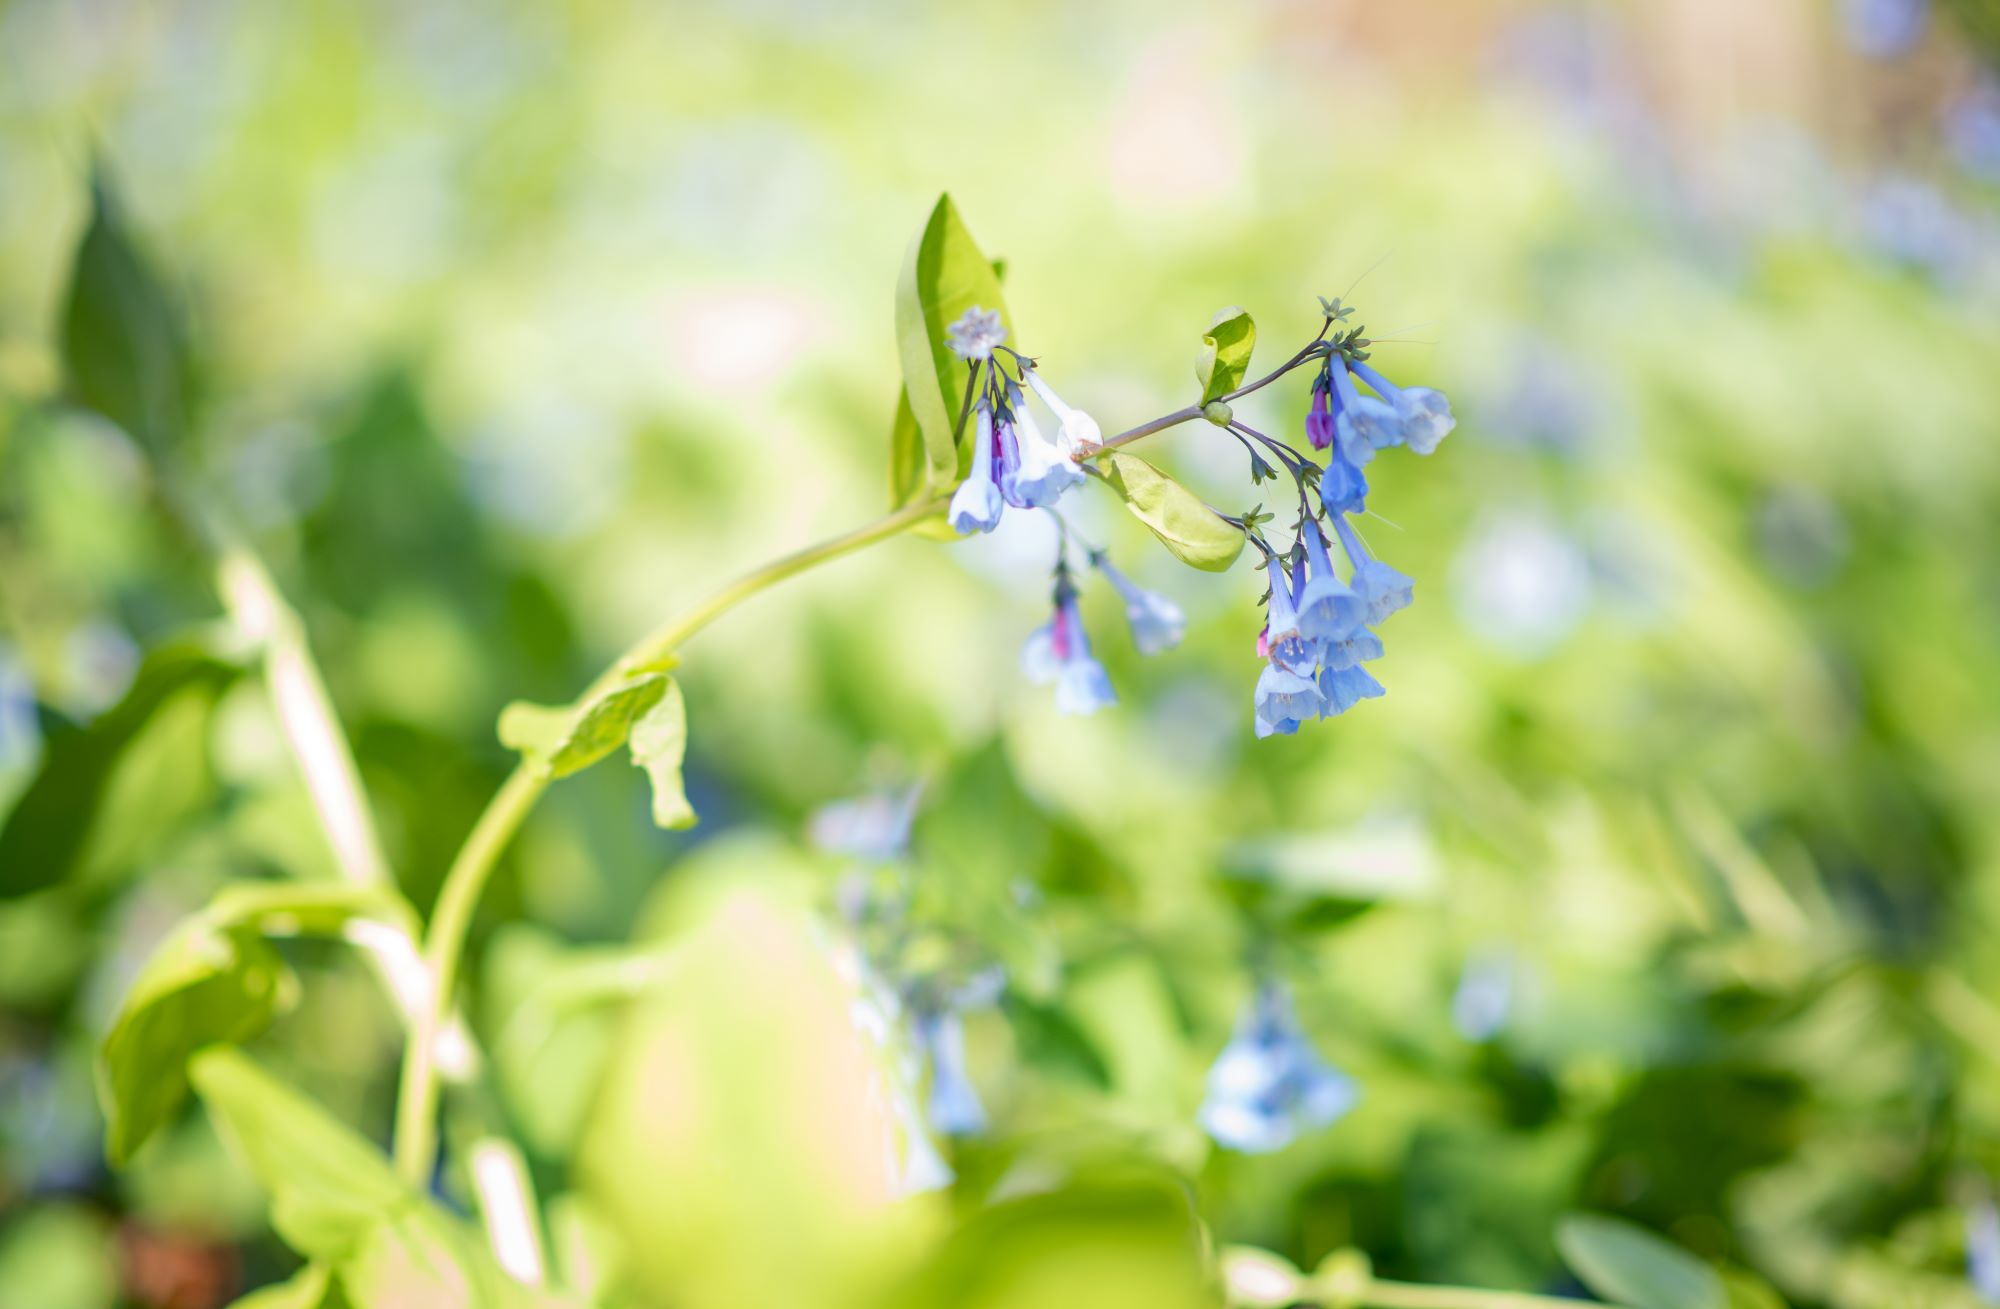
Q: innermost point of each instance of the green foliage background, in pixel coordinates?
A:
(510, 330)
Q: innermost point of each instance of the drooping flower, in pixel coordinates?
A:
(1078, 430)
(1425, 414)
(1035, 471)
(1269, 1084)
(1982, 1250)
(955, 1108)
(1319, 413)
(1358, 647)
(1362, 424)
(1343, 688)
(1157, 622)
(1328, 609)
(1343, 489)
(1284, 699)
(1059, 652)
(976, 334)
(1284, 642)
(874, 828)
(1382, 589)
(977, 505)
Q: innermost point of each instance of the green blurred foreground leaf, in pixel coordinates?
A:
(1632, 1267)
(124, 352)
(1190, 530)
(214, 979)
(336, 1201)
(47, 839)
(1225, 353)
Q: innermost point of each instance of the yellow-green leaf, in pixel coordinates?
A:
(944, 276)
(1225, 353)
(559, 740)
(1195, 534)
(659, 743)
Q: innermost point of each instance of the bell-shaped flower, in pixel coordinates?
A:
(1363, 423)
(1319, 413)
(1426, 414)
(1382, 589)
(1059, 652)
(955, 1108)
(976, 506)
(1328, 609)
(1269, 1084)
(1036, 470)
(1343, 688)
(1078, 430)
(1157, 623)
(1284, 642)
(1358, 647)
(1343, 489)
(1284, 699)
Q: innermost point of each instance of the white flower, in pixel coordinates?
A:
(1079, 430)
(976, 333)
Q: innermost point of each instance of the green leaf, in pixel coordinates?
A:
(335, 1200)
(659, 743)
(314, 1287)
(1631, 1266)
(1225, 353)
(214, 979)
(1187, 527)
(1746, 1290)
(124, 351)
(944, 275)
(558, 741)
(48, 835)
(909, 462)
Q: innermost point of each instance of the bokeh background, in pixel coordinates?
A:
(1664, 882)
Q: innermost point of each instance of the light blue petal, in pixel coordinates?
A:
(1343, 688)
(1283, 696)
(1383, 590)
(1039, 663)
(976, 506)
(1083, 688)
(1427, 418)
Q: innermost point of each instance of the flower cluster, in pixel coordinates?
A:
(1321, 618)
(1268, 1085)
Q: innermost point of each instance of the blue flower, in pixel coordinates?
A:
(1284, 699)
(1485, 993)
(1157, 622)
(1036, 471)
(1343, 688)
(1982, 1250)
(1269, 1084)
(1359, 647)
(976, 506)
(1078, 430)
(1328, 609)
(1425, 414)
(1285, 642)
(1343, 489)
(1884, 29)
(1059, 652)
(1319, 413)
(1382, 589)
(955, 1109)
(1362, 423)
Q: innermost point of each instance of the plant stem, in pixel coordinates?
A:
(444, 940)
(1412, 1295)
(305, 713)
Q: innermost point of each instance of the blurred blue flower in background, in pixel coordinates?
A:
(1485, 994)
(1157, 622)
(1058, 651)
(1972, 131)
(1884, 29)
(955, 1108)
(1982, 1250)
(1268, 1085)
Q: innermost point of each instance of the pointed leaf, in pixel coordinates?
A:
(1192, 531)
(1632, 1267)
(558, 741)
(659, 743)
(1225, 353)
(124, 351)
(944, 275)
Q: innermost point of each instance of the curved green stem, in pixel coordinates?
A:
(444, 940)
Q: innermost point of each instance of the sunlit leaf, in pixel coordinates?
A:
(214, 979)
(124, 350)
(1225, 353)
(558, 741)
(659, 743)
(1192, 531)
(314, 1287)
(1630, 1266)
(944, 275)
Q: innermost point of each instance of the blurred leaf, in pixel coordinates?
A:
(214, 979)
(1188, 528)
(335, 1199)
(313, 1287)
(59, 1256)
(1746, 1290)
(909, 461)
(1225, 353)
(1629, 1265)
(659, 743)
(1052, 1044)
(123, 347)
(558, 741)
(48, 832)
(944, 276)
